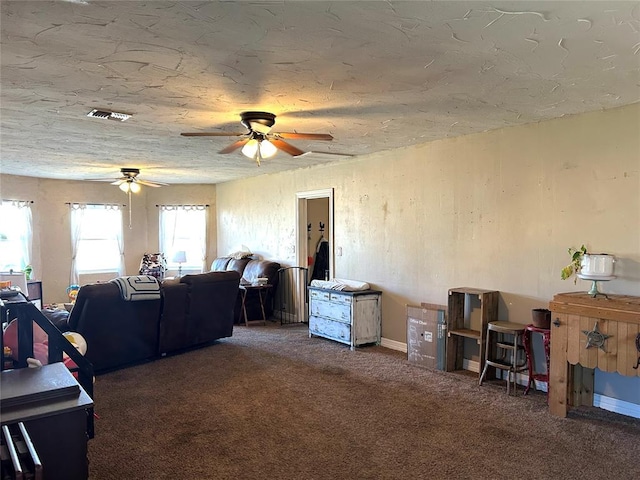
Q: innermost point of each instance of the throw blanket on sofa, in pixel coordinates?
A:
(138, 287)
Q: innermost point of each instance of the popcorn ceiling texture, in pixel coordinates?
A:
(376, 75)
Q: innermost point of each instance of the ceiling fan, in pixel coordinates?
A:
(129, 181)
(260, 142)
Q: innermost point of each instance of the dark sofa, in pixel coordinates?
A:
(206, 313)
(191, 311)
(250, 270)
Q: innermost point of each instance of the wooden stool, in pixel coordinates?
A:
(526, 340)
(503, 355)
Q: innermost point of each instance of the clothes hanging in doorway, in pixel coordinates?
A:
(321, 263)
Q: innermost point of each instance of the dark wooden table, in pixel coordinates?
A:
(262, 293)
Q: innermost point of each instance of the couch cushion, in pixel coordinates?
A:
(220, 264)
(210, 297)
(261, 269)
(238, 265)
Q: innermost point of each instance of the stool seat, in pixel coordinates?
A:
(506, 327)
(508, 358)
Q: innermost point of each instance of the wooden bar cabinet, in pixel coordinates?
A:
(586, 333)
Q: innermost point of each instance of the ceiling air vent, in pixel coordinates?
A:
(108, 115)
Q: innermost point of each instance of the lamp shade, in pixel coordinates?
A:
(180, 256)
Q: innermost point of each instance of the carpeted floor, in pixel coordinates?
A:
(271, 403)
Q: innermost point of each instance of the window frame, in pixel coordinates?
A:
(22, 241)
(79, 238)
(167, 246)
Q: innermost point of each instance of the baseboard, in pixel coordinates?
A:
(617, 406)
(393, 345)
(471, 365)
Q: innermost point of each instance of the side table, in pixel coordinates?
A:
(526, 340)
(262, 293)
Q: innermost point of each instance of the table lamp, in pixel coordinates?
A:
(180, 257)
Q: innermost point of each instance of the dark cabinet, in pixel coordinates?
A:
(53, 408)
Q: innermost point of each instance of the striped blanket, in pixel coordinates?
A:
(138, 287)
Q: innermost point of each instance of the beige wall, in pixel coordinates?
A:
(496, 210)
(51, 258)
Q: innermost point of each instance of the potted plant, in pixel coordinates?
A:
(577, 254)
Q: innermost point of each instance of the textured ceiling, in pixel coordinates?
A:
(376, 75)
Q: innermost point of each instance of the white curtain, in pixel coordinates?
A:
(77, 215)
(120, 240)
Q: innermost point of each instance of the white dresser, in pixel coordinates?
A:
(346, 317)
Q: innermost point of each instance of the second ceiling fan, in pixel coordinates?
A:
(260, 142)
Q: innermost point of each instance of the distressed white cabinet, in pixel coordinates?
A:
(346, 317)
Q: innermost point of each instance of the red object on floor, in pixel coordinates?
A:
(526, 340)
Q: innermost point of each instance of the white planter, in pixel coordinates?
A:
(597, 265)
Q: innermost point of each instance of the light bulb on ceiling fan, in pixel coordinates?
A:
(129, 186)
(267, 149)
(259, 149)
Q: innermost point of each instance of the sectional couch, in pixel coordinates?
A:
(190, 311)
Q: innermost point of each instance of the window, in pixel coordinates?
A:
(183, 228)
(15, 234)
(96, 236)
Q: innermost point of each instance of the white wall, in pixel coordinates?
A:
(496, 210)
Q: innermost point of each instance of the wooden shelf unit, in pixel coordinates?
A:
(459, 326)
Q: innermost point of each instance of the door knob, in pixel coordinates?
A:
(556, 322)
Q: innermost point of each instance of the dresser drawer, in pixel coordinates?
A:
(324, 327)
(319, 295)
(329, 296)
(335, 311)
(341, 298)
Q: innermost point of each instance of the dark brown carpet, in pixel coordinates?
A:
(270, 403)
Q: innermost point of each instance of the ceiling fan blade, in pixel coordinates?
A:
(120, 181)
(312, 152)
(212, 134)
(286, 147)
(235, 145)
(151, 184)
(308, 136)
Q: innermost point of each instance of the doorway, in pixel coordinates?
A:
(314, 212)
(315, 226)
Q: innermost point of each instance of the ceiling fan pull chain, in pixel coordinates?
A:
(129, 209)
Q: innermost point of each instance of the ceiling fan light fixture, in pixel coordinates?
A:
(129, 186)
(267, 149)
(250, 148)
(255, 148)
